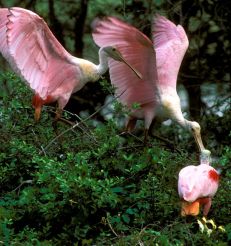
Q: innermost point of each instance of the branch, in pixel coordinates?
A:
(109, 224)
(81, 122)
(23, 182)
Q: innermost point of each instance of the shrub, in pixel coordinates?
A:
(91, 185)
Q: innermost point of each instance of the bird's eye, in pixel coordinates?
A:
(113, 49)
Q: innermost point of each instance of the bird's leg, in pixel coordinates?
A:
(58, 114)
(153, 125)
(37, 103)
(61, 103)
(193, 208)
(206, 202)
(37, 113)
(130, 124)
(149, 121)
(145, 136)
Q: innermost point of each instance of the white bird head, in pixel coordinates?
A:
(205, 157)
(114, 53)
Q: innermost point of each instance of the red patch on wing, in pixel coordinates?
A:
(37, 101)
(214, 175)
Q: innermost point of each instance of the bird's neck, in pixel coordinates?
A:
(184, 123)
(205, 157)
(103, 62)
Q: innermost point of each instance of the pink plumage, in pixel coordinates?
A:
(36, 55)
(35, 52)
(196, 183)
(170, 42)
(158, 61)
(138, 50)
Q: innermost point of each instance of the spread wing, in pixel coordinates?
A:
(170, 42)
(3, 40)
(33, 51)
(138, 50)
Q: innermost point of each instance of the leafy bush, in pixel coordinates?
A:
(95, 186)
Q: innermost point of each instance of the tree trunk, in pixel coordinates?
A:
(55, 25)
(79, 28)
(192, 85)
(193, 88)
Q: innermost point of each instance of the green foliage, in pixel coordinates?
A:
(94, 185)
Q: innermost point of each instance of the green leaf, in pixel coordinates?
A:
(126, 218)
(194, 24)
(117, 189)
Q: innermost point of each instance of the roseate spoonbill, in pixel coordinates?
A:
(196, 186)
(158, 61)
(36, 55)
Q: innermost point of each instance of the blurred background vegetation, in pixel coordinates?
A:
(92, 185)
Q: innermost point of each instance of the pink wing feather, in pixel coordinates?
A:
(170, 42)
(197, 182)
(32, 50)
(3, 40)
(138, 50)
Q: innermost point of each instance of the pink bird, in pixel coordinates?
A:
(196, 186)
(158, 61)
(35, 54)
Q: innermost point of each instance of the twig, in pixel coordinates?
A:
(88, 135)
(68, 112)
(131, 147)
(137, 138)
(72, 124)
(66, 121)
(81, 122)
(39, 141)
(167, 142)
(43, 150)
(220, 101)
(141, 243)
(58, 136)
(109, 224)
(23, 182)
(145, 228)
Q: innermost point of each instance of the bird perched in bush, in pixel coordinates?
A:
(36, 55)
(196, 186)
(158, 61)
